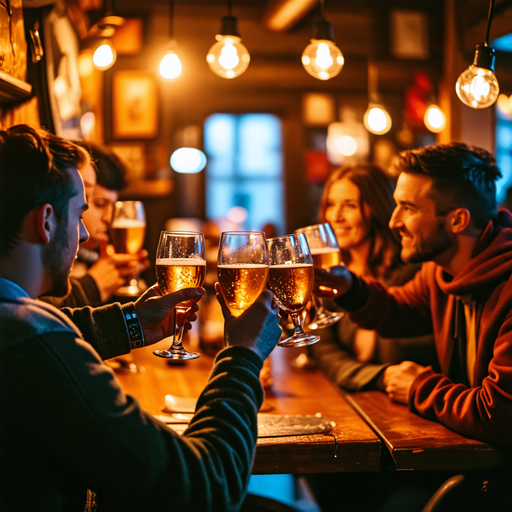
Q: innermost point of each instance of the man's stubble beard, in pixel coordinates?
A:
(57, 269)
(437, 242)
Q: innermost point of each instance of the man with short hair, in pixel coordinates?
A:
(447, 217)
(70, 438)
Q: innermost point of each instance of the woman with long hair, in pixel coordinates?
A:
(358, 202)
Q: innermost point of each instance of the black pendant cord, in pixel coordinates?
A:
(229, 7)
(171, 20)
(322, 9)
(109, 7)
(489, 20)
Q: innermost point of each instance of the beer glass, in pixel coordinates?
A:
(127, 232)
(180, 263)
(291, 278)
(326, 253)
(242, 268)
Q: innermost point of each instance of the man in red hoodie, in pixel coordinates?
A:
(447, 217)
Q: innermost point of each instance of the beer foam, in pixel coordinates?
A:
(323, 250)
(128, 223)
(182, 262)
(243, 265)
(292, 265)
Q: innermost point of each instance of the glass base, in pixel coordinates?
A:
(134, 289)
(299, 340)
(174, 353)
(323, 320)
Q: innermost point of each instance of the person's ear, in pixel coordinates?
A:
(460, 220)
(45, 222)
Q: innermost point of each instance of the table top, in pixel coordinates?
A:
(416, 443)
(351, 445)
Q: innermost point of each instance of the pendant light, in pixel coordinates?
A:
(434, 119)
(322, 59)
(228, 57)
(170, 65)
(477, 87)
(376, 119)
(105, 54)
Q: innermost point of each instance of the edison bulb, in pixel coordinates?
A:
(477, 87)
(104, 56)
(434, 119)
(170, 66)
(322, 59)
(228, 57)
(377, 120)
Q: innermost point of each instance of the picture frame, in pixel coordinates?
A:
(134, 105)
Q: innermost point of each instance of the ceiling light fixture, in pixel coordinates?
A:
(477, 87)
(376, 119)
(322, 59)
(434, 119)
(170, 65)
(228, 57)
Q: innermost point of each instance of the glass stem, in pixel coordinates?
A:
(319, 305)
(298, 323)
(179, 321)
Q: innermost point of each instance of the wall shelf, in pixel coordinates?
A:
(13, 90)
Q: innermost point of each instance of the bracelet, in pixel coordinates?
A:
(133, 326)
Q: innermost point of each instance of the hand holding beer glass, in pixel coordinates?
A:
(180, 263)
(127, 232)
(326, 253)
(291, 278)
(242, 268)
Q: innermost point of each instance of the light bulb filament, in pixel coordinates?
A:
(323, 56)
(228, 58)
(479, 87)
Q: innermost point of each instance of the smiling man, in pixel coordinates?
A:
(447, 218)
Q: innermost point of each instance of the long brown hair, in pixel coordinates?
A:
(376, 191)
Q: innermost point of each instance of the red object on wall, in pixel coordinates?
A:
(416, 97)
(317, 166)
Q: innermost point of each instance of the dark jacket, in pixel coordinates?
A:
(66, 425)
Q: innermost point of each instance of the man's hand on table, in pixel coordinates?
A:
(256, 329)
(153, 310)
(398, 380)
(332, 282)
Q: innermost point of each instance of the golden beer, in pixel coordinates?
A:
(174, 274)
(325, 257)
(292, 285)
(242, 285)
(128, 236)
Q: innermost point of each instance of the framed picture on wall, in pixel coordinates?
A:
(134, 105)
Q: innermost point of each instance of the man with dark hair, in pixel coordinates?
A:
(447, 218)
(98, 272)
(70, 438)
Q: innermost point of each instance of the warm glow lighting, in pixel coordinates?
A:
(322, 59)
(237, 214)
(188, 160)
(477, 87)
(104, 56)
(228, 57)
(346, 145)
(435, 120)
(170, 66)
(377, 120)
(87, 125)
(505, 104)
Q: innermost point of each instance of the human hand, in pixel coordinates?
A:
(332, 282)
(153, 311)
(398, 380)
(256, 329)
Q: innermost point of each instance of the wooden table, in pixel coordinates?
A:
(419, 444)
(350, 446)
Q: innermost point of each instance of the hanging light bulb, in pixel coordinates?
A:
(434, 118)
(105, 55)
(170, 65)
(377, 120)
(322, 59)
(477, 87)
(228, 57)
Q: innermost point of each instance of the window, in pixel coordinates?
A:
(245, 168)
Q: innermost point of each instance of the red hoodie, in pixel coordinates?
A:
(427, 305)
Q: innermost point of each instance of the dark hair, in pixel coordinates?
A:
(111, 171)
(463, 177)
(34, 168)
(376, 192)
